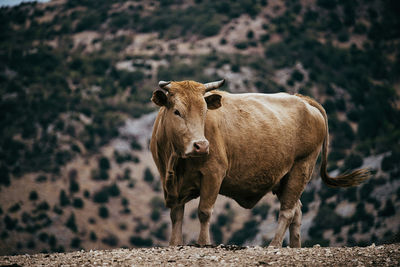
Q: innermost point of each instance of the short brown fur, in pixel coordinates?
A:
(258, 143)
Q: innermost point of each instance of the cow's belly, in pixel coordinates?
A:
(248, 187)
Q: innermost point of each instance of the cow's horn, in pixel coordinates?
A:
(214, 85)
(164, 85)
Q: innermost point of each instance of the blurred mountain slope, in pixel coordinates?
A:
(76, 78)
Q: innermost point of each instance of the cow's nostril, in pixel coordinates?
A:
(196, 146)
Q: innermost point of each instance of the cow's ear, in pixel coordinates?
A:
(213, 101)
(159, 98)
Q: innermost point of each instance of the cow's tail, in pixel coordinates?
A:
(345, 180)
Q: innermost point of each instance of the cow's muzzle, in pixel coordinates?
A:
(198, 149)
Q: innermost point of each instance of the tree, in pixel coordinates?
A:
(103, 212)
(148, 176)
(104, 163)
(64, 200)
(71, 224)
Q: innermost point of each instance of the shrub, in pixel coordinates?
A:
(113, 190)
(360, 28)
(353, 161)
(366, 190)
(160, 233)
(64, 201)
(104, 163)
(148, 176)
(261, 210)
(41, 179)
(14, 208)
(33, 195)
(389, 209)
(130, 78)
(127, 174)
(78, 203)
(102, 175)
(343, 36)
(306, 198)
(43, 206)
(248, 231)
(57, 210)
(93, 236)
(250, 34)
(362, 215)
(59, 249)
(101, 196)
(326, 218)
(328, 4)
(339, 239)
(103, 212)
(75, 242)
(120, 20)
(43, 237)
(155, 215)
(124, 202)
(265, 38)
(350, 194)
(122, 226)
(211, 28)
(222, 219)
(137, 241)
(135, 145)
(89, 22)
(390, 162)
(217, 234)
(31, 244)
(157, 203)
(4, 176)
(71, 224)
(340, 104)
(73, 186)
(140, 227)
(241, 45)
(297, 76)
(52, 241)
(110, 240)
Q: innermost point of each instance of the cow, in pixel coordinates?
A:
(207, 142)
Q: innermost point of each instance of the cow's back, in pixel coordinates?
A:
(263, 135)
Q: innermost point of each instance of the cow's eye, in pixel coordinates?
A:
(177, 113)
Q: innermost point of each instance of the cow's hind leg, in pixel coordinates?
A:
(289, 192)
(294, 227)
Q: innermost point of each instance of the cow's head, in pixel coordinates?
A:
(185, 114)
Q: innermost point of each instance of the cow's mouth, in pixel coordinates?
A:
(195, 155)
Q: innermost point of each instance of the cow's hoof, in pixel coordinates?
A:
(204, 245)
(274, 245)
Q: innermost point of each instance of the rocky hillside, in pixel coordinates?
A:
(76, 78)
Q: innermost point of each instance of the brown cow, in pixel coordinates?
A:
(241, 146)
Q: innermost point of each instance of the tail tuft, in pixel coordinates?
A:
(345, 180)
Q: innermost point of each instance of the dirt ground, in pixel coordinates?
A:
(385, 255)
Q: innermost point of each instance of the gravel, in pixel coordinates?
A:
(385, 255)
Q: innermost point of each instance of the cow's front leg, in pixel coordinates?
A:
(177, 220)
(209, 190)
